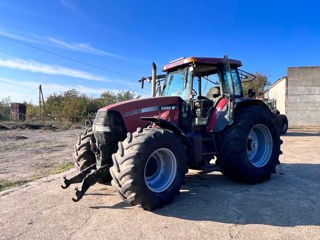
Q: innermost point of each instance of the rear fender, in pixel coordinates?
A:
(245, 102)
(218, 119)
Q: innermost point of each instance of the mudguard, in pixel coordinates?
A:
(164, 124)
(218, 119)
(174, 128)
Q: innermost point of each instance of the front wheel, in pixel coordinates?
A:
(84, 156)
(248, 150)
(149, 167)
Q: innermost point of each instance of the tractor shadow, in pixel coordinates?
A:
(290, 198)
(301, 134)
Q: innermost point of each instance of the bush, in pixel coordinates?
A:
(71, 106)
(258, 85)
(5, 105)
(32, 111)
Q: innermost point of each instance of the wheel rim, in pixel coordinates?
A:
(259, 145)
(160, 170)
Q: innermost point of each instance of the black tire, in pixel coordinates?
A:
(282, 123)
(233, 145)
(88, 123)
(84, 156)
(129, 167)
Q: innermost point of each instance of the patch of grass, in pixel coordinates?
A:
(6, 184)
(45, 165)
(61, 168)
(35, 178)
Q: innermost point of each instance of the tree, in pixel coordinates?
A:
(5, 105)
(54, 106)
(126, 95)
(258, 85)
(107, 98)
(32, 112)
(73, 107)
(93, 105)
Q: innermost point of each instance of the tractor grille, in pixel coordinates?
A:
(109, 129)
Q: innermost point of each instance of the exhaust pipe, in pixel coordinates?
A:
(153, 80)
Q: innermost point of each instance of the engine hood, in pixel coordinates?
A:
(131, 111)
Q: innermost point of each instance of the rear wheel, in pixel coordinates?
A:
(249, 149)
(283, 123)
(149, 167)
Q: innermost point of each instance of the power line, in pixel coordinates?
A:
(69, 58)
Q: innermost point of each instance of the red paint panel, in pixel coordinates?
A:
(131, 111)
(215, 114)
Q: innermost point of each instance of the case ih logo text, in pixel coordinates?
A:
(150, 109)
(168, 107)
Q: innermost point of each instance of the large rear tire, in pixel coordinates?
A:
(248, 150)
(149, 167)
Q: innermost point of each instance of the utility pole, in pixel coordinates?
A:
(43, 102)
(40, 101)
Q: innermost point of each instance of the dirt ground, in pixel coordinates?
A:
(210, 206)
(31, 154)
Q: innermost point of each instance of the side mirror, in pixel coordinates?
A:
(245, 76)
(251, 92)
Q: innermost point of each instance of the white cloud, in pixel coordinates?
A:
(70, 5)
(54, 42)
(20, 38)
(84, 47)
(33, 66)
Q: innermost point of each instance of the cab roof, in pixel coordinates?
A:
(185, 61)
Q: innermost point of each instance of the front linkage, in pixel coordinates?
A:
(88, 177)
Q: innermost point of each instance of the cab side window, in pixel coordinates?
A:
(207, 83)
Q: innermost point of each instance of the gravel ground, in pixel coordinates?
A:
(26, 154)
(210, 206)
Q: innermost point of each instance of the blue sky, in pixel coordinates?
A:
(118, 40)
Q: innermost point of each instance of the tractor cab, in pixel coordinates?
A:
(203, 83)
(198, 78)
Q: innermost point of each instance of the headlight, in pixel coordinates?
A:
(101, 128)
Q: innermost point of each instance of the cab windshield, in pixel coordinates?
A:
(176, 84)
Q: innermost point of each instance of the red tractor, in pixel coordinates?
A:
(146, 146)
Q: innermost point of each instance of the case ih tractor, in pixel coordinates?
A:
(199, 120)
